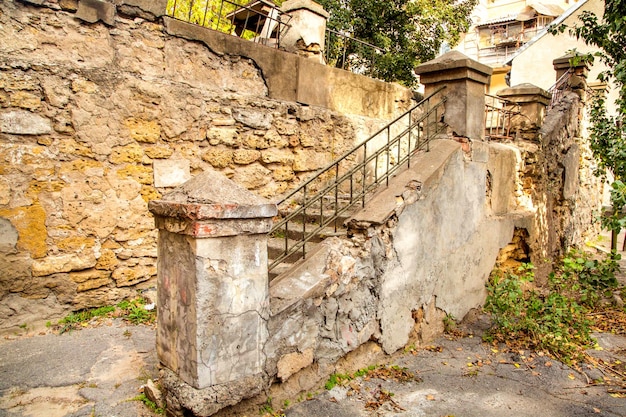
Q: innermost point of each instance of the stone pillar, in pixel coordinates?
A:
(465, 81)
(212, 290)
(577, 81)
(530, 102)
(306, 32)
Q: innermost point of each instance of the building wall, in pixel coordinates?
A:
(534, 65)
(98, 119)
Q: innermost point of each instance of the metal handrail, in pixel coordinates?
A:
(558, 88)
(357, 173)
(220, 15)
(498, 115)
(338, 44)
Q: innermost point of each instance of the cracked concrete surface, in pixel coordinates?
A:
(89, 372)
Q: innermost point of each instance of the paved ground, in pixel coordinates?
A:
(89, 372)
(466, 378)
(98, 371)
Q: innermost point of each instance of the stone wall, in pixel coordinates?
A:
(97, 119)
(555, 182)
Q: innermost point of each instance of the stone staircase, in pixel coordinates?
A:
(303, 224)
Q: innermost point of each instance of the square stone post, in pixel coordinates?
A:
(530, 102)
(213, 297)
(577, 80)
(306, 31)
(465, 81)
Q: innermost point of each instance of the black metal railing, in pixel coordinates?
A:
(353, 178)
(348, 53)
(559, 87)
(498, 115)
(258, 21)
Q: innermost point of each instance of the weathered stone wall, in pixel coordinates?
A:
(557, 184)
(98, 119)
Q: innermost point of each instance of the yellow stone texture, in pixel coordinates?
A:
(158, 152)
(143, 130)
(283, 173)
(107, 260)
(71, 147)
(5, 192)
(84, 86)
(63, 263)
(127, 154)
(246, 156)
(80, 165)
(130, 276)
(218, 158)
(140, 173)
(25, 100)
(75, 243)
(90, 279)
(149, 193)
(110, 244)
(30, 223)
(36, 187)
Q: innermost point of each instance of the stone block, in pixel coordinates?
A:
(246, 156)
(22, 122)
(222, 135)
(25, 100)
(146, 131)
(309, 160)
(30, 223)
(140, 173)
(146, 9)
(62, 263)
(280, 156)
(171, 173)
(218, 158)
(254, 119)
(291, 363)
(94, 10)
(571, 162)
(158, 152)
(212, 281)
(8, 236)
(126, 154)
(253, 176)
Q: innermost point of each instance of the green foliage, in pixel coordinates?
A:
(408, 33)
(130, 310)
(449, 323)
(372, 371)
(208, 13)
(554, 319)
(72, 320)
(150, 404)
(591, 278)
(340, 379)
(267, 409)
(135, 312)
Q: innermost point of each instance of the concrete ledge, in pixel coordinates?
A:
(288, 76)
(92, 11)
(426, 169)
(305, 280)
